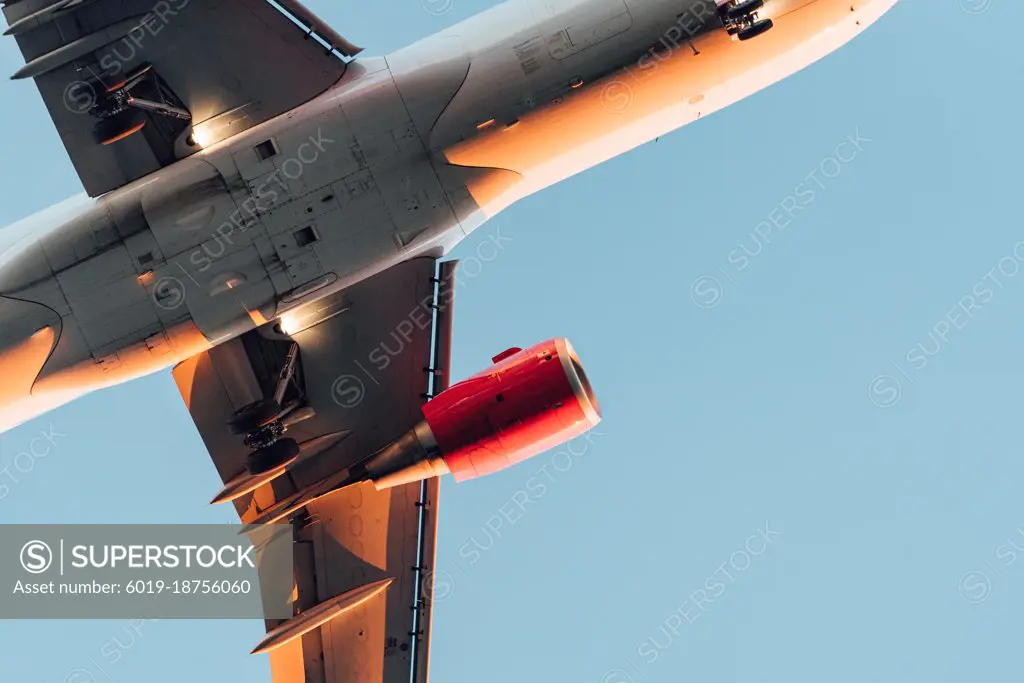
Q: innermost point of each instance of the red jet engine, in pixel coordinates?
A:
(527, 402)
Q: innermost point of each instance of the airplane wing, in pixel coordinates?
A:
(132, 85)
(357, 367)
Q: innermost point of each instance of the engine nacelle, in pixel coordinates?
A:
(526, 403)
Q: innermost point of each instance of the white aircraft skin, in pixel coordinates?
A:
(405, 156)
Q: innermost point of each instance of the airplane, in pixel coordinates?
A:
(267, 212)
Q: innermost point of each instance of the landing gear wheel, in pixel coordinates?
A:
(755, 29)
(273, 456)
(118, 127)
(744, 8)
(254, 416)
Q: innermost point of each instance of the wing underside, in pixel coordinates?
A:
(367, 359)
(219, 66)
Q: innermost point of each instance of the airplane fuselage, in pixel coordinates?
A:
(406, 155)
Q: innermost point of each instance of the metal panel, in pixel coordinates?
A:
(108, 301)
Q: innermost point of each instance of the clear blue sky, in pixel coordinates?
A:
(759, 409)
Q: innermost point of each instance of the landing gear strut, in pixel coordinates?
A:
(121, 112)
(741, 20)
(264, 423)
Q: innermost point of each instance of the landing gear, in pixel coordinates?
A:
(741, 20)
(118, 127)
(271, 457)
(122, 111)
(738, 10)
(755, 29)
(254, 416)
(264, 422)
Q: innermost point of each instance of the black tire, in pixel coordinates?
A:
(273, 456)
(119, 126)
(743, 9)
(254, 416)
(755, 30)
